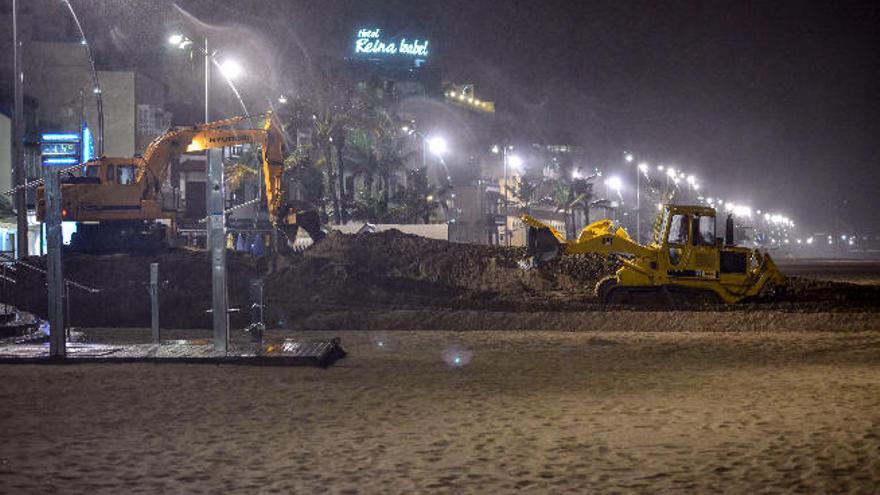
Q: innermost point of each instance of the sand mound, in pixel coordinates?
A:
(360, 275)
(388, 269)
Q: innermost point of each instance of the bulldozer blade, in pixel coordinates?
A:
(542, 244)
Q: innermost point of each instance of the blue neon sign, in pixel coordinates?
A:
(59, 148)
(60, 161)
(54, 136)
(88, 148)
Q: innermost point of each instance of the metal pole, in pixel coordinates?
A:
(21, 235)
(207, 119)
(54, 272)
(638, 207)
(154, 302)
(506, 219)
(217, 237)
(207, 78)
(67, 318)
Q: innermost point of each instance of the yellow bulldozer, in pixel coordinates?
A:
(685, 263)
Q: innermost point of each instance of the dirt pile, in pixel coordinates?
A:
(398, 271)
(354, 278)
(370, 271)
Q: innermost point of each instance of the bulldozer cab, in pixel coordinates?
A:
(688, 245)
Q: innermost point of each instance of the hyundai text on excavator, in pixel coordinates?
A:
(685, 263)
(117, 201)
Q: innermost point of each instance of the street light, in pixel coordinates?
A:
(614, 182)
(643, 168)
(230, 69)
(508, 161)
(515, 162)
(182, 42)
(437, 145)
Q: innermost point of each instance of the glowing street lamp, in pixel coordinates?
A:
(437, 146)
(230, 69)
(614, 183)
(515, 162)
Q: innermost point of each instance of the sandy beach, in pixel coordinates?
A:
(463, 412)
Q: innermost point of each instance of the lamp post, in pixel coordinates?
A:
(183, 42)
(21, 233)
(506, 161)
(641, 169)
(515, 162)
(229, 69)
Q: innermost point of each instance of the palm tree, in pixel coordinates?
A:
(306, 177)
(392, 157)
(363, 163)
(418, 200)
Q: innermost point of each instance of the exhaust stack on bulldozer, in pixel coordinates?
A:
(684, 264)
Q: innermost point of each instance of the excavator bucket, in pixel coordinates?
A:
(290, 223)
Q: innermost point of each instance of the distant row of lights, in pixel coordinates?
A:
(487, 106)
(739, 210)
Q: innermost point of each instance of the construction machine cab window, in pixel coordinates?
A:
(111, 169)
(126, 174)
(704, 230)
(678, 230)
(93, 171)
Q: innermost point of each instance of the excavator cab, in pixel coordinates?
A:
(686, 263)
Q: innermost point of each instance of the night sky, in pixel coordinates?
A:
(772, 104)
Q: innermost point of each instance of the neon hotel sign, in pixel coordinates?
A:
(370, 42)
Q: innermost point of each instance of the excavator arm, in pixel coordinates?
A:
(269, 137)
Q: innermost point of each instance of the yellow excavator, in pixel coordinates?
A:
(117, 201)
(685, 263)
